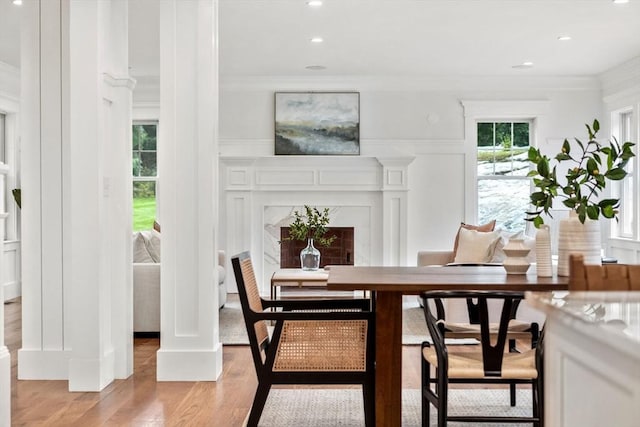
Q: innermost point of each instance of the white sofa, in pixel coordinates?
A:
(146, 281)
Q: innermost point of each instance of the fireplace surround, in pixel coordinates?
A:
(258, 196)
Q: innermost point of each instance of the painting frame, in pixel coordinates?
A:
(317, 123)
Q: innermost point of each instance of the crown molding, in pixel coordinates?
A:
(412, 83)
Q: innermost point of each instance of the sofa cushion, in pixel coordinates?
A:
(140, 251)
(475, 246)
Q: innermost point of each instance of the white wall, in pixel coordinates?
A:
(415, 117)
(621, 90)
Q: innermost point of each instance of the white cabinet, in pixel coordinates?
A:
(592, 359)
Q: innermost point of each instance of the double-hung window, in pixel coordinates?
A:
(622, 127)
(145, 174)
(503, 185)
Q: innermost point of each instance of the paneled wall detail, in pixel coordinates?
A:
(259, 195)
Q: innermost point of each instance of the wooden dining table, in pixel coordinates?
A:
(389, 284)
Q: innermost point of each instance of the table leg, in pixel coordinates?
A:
(388, 359)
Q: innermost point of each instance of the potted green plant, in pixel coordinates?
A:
(590, 166)
(312, 227)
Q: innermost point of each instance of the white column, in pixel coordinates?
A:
(100, 197)
(76, 119)
(117, 185)
(190, 349)
(45, 209)
(395, 213)
(238, 182)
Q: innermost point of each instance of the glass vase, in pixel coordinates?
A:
(310, 257)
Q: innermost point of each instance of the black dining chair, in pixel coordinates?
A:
(330, 341)
(488, 364)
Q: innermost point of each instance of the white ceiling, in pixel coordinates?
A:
(394, 37)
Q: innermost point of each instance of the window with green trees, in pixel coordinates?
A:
(503, 185)
(145, 174)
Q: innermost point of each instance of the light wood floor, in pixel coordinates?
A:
(142, 401)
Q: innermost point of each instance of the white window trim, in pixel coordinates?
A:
(535, 111)
(146, 120)
(615, 131)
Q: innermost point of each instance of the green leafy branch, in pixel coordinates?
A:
(311, 225)
(584, 181)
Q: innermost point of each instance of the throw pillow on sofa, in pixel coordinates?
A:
(140, 251)
(146, 246)
(475, 246)
(482, 228)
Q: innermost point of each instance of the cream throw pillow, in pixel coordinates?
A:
(140, 252)
(476, 246)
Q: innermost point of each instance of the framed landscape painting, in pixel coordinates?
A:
(317, 123)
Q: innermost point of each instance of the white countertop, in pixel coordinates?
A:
(611, 316)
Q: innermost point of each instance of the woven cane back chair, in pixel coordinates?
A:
(313, 342)
(489, 364)
(607, 277)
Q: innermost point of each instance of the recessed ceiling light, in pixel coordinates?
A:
(317, 40)
(526, 64)
(17, 2)
(620, 1)
(314, 3)
(564, 38)
(315, 67)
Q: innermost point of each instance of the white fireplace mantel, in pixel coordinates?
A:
(259, 195)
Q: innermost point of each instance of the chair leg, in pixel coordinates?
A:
(443, 397)
(369, 396)
(539, 401)
(258, 404)
(534, 401)
(512, 387)
(512, 394)
(426, 405)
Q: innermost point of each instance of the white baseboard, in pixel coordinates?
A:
(43, 364)
(186, 365)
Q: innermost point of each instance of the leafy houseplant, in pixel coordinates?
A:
(589, 170)
(310, 226)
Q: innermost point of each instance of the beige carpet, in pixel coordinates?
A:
(344, 407)
(414, 328)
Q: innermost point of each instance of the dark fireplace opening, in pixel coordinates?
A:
(339, 253)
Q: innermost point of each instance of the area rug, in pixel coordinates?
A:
(414, 327)
(344, 407)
